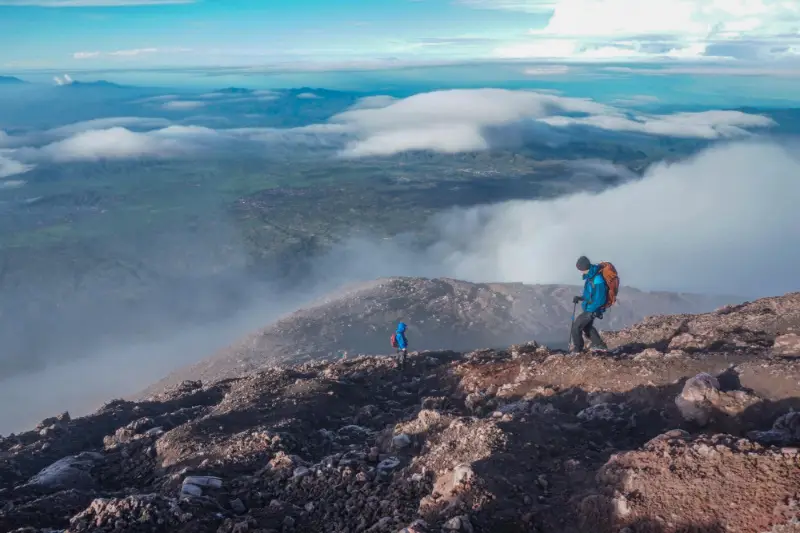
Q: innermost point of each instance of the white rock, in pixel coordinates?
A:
(401, 441)
(603, 411)
(68, 473)
(204, 481)
(301, 472)
(188, 490)
(696, 400)
(388, 464)
(463, 473)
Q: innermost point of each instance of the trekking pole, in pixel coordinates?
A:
(569, 341)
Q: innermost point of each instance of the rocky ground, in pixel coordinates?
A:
(688, 425)
(442, 314)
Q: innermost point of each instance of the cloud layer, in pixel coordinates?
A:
(631, 29)
(720, 222)
(450, 121)
(112, 143)
(471, 120)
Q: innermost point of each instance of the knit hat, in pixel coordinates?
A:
(583, 263)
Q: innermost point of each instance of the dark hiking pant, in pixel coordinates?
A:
(584, 324)
(402, 353)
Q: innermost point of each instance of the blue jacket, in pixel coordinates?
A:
(594, 290)
(402, 342)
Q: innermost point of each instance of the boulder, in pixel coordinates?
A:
(787, 345)
(785, 431)
(72, 472)
(696, 401)
(701, 400)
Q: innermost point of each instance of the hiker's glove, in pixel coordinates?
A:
(577, 299)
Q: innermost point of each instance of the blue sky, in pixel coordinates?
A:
(88, 34)
(246, 32)
(710, 47)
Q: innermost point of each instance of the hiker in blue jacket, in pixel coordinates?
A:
(592, 302)
(401, 344)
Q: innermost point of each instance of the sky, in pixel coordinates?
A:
(741, 37)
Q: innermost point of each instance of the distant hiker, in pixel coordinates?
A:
(400, 344)
(601, 285)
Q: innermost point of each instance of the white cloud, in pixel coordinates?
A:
(180, 105)
(450, 121)
(716, 223)
(575, 49)
(547, 70)
(308, 96)
(91, 3)
(185, 132)
(10, 167)
(701, 19)
(173, 141)
(12, 184)
(468, 106)
(785, 71)
(253, 98)
(159, 98)
(373, 102)
(525, 6)
(445, 138)
(633, 29)
(105, 123)
(112, 143)
(63, 80)
(133, 52)
(213, 96)
(468, 120)
(701, 125)
(636, 100)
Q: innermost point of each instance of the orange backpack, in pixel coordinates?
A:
(393, 340)
(609, 273)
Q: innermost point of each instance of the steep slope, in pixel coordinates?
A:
(651, 439)
(441, 313)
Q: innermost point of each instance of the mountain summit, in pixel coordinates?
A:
(690, 424)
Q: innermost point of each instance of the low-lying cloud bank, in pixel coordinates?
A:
(464, 120)
(720, 222)
(451, 121)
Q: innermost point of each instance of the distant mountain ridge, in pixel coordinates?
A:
(441, 314)
(97, 84)
(11, 80)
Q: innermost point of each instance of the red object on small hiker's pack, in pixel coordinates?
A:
(609, 273)
(394, 340)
